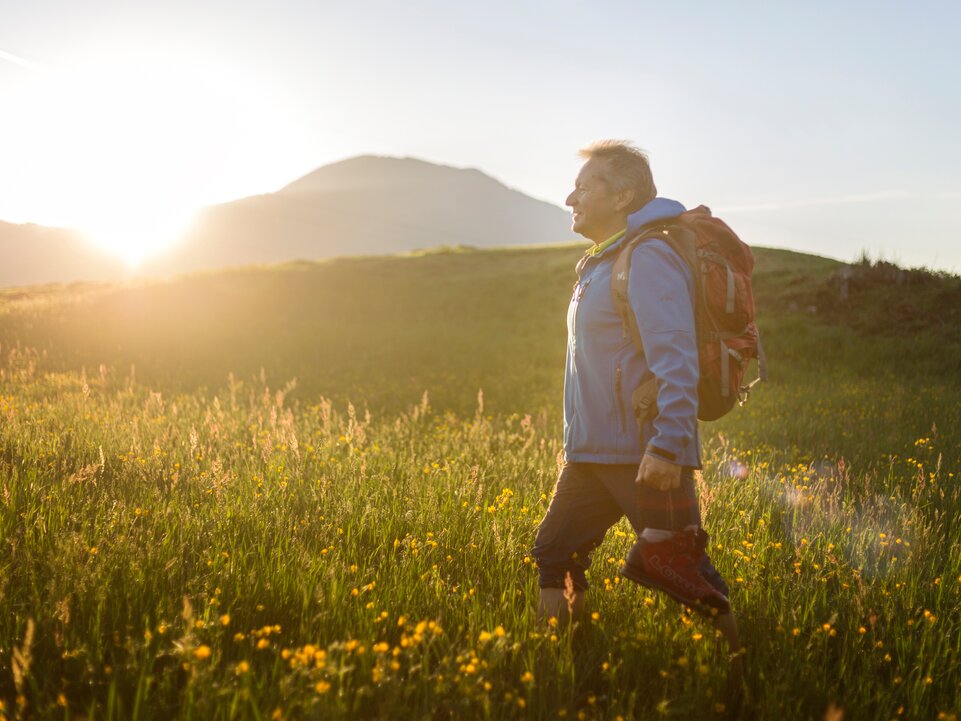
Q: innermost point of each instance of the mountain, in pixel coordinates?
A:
(363, 205)
(32, 254)
(368, 205)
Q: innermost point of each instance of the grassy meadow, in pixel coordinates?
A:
(309, 492)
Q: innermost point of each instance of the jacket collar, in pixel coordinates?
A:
(599, 248)
(656, 209)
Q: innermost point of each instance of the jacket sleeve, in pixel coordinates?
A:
(661, 291)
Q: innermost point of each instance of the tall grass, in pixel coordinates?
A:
(229, 555)
(243, 547)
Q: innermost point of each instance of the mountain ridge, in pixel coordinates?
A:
(384, 167)
(33, 254)
(367, 204)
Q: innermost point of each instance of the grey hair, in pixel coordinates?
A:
(628, 168)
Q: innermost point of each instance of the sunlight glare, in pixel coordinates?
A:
(136, 235)
(125, 145)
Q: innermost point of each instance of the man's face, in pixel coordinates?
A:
(598, 211)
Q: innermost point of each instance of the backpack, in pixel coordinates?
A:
(727, 338)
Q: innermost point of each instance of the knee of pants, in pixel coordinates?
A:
(553, 565)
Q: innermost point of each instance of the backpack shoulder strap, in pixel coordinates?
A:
(680, 239)
(619, 277)
(644, 397)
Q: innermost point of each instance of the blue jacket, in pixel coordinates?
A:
(604, 367)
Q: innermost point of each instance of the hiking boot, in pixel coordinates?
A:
(672, 566)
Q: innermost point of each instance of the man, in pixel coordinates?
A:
(614, 464)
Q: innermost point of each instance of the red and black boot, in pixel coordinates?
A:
(672, 566)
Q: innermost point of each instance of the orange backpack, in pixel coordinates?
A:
(727, 338)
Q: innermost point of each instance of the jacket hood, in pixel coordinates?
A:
(657, 209)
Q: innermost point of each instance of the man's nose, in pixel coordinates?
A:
(570, 200)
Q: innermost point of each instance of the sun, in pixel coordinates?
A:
(125, 145)
(128, 236)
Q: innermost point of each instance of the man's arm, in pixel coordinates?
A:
(661, 295)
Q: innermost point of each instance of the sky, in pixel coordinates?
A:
(824, 127)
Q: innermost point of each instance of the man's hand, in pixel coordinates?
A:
(658, 474)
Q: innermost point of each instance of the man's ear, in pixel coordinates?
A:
(624, 199)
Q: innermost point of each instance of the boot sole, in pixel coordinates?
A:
(704, 607)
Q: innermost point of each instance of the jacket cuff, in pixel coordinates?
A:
(661, 453)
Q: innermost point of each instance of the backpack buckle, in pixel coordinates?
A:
(744, 392)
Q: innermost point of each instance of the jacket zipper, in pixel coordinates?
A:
(621, 418)
(579, 289)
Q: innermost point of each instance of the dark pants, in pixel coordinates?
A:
(588, 499)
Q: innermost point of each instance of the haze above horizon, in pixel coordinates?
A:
(815, 127)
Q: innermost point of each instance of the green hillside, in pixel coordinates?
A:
(380, 331)
(187, 537)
